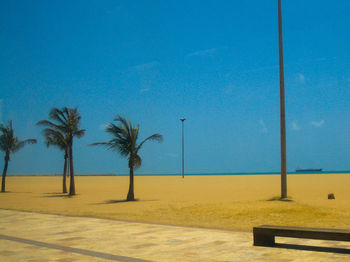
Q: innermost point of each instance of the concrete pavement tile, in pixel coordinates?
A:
(128, 241)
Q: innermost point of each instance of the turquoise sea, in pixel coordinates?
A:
(240, 173)
(197, 174)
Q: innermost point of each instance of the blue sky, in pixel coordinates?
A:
(214, 62)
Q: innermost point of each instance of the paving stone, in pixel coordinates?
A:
(26, 236)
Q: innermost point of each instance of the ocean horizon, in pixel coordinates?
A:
(198, 174)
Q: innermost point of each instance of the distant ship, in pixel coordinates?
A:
(308, 170)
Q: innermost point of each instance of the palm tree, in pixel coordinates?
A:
(67, 123)
(125, 142)
(56, 138)
(9, 143)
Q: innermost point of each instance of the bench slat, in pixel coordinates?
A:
(308, 229)
(265, 234)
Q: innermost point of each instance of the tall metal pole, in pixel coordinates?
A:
(183, 147)
(282, 108)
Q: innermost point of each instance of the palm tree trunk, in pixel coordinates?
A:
(64, 189)
(72, 185)
(7, 158)
(130, 196)
(68, 166)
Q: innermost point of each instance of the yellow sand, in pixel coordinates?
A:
(230, 202)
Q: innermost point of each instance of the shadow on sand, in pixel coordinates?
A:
(277, 198)
(314, 248)
(16, 192)
(63, 195)
(120, 201)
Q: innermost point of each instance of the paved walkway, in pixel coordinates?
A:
(40, 237)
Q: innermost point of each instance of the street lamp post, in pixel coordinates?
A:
(282, 107)
(183, 147)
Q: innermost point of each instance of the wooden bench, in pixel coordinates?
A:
(265, 235)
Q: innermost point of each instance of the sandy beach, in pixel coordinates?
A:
(228, 202)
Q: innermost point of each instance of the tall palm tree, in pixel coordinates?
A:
(9, 143)
(125, 142)
(56, 138)
(67, 122)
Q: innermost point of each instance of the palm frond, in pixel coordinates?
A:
(47, 123)
(113, 129)
(122, 120)
(108, 144)
(112, 146)
(53, 141)
(55, 138)
(8, 130)
(125, 128)
(19, 144)
(125, 140)
(58, 116)
(7, 138)
(154, 137)
(3, 143)
(134, 135)
(137, 161)
(79, 133)
(3, 129)
(65, 121)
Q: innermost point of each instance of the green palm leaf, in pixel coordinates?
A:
(65, 125)
(124, 140)
(17, 146)
(9, 143)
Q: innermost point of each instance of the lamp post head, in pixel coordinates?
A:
(182, 119)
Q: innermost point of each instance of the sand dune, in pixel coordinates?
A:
(230, 202)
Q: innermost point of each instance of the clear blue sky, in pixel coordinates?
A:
(214, 62)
